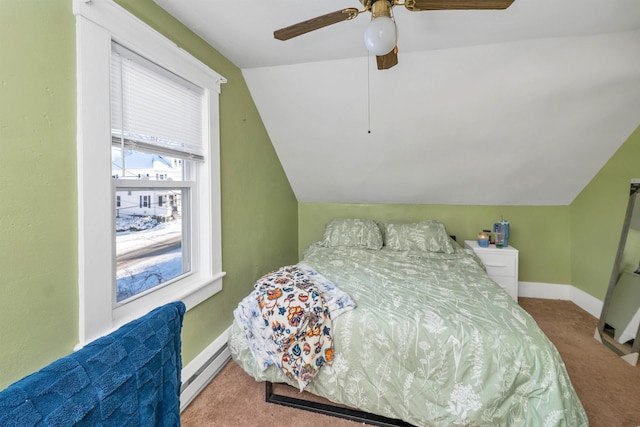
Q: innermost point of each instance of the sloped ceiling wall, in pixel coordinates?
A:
(509, 118)
(522, 123)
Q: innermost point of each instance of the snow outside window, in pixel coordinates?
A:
(148, 136)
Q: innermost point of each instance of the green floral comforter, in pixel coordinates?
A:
(434, 342)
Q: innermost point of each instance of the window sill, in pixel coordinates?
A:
(191, 290)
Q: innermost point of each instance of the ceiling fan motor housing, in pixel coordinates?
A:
(381, 8)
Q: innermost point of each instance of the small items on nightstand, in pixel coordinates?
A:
(483, 240)
(501, 233)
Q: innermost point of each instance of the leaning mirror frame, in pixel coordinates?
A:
(605, 333)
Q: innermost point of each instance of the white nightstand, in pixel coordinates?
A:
(501, 265)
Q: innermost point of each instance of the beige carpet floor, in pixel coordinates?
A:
(608, 387)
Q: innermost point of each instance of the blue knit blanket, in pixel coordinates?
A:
(130, 377)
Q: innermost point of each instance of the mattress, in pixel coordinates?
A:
(433, 341)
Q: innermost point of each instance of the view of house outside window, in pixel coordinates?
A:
(149, 226)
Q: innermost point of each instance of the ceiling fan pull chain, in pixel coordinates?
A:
(369, 92)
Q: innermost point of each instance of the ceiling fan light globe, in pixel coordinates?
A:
(381, 35)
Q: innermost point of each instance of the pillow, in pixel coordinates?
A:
(428, 236)
(354, 233)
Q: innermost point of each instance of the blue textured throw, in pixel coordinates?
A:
(130, 377)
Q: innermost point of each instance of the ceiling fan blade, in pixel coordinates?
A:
(316, 23)
(418, 5)
(389, 60)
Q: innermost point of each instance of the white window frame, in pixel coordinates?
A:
(98, 22)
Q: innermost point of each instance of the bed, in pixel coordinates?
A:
(430, 339)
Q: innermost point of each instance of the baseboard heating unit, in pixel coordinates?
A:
(203, 368)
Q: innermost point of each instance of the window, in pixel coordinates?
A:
(156, 135)
(148, 137)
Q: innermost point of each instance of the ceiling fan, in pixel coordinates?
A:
(381, 34)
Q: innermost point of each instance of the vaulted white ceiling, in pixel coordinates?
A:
(514, 107)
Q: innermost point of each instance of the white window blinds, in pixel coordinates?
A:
(154, 109)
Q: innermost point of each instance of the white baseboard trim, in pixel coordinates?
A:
(203, 368)
(588, 303)
(544, 290)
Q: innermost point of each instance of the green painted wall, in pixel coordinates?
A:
(597, 215)
(541, 233)
(38, 247)
(38, 220)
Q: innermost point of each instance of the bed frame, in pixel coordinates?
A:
(331, 410)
